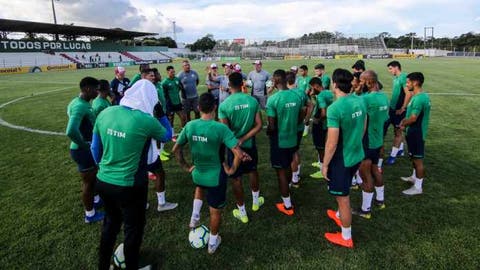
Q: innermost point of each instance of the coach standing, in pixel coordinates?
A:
(259, 77)
(189, 80)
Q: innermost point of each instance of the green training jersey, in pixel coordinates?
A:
(303, 103)
(171, 89)
(99, 104)
(161, 96)
(240, 110)
(324, 99)
(377, 113)
(205, 138)
(135, 78)
(325, 81)
(125, 143)
(285, 107)
(80, 123)
(348, 114)
(303, 83)
(398, 95)
(419, 105)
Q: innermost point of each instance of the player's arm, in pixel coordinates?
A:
(73, 130)
(96, 148)
(330, 148)
(256, 129)
(408, 96)
(178, 152)
(308, 114)
(271, 127)
(163, 119)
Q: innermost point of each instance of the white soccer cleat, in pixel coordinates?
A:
(194, 223)
(167, 206)
(412, 191)
(408, 179)
(213, 248)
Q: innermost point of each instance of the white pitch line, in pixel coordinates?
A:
(7, 124)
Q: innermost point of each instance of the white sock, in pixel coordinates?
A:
(380, 193)
(213, 239)
(414, 174)
(96, 198)
(305, 129)
(255, 195)
(287, 202)
(359, 178)
(242, 210)
(162, 146)
(394, 151)
(295, 177)
(346, 233)
(354, 180)
(173, 132)
(90, 213)
(197, 206)
(298, 172)
(161, 197)
(367, 200)
(380, 162)
(418, 183)
(401, 146)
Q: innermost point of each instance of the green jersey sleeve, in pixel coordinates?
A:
(222, 114)
(417, 106)
(333, 117)
(76, 115)
(182, 138)
(228, 138)
(271, 107)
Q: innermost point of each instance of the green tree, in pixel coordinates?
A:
(203, 44)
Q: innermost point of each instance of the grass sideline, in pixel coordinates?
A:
(42, 217)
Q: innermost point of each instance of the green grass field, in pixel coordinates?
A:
(42, 217)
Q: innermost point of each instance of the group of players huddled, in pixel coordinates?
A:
(117, 148)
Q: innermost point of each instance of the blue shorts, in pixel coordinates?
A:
(245, 167)
(393, 119)
(84, 160)
(280, 158)
(319, 136)
(173, 108)
(372, 154)
(216, 196)
(340, 176)
(416, 145)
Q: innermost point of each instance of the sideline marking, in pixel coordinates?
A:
(46, 132)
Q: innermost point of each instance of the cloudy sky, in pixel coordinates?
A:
(259, 19)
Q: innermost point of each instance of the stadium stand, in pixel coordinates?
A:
(31, 59)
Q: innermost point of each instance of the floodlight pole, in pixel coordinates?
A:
(174, 31)
(54, 17)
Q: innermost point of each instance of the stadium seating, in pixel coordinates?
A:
(150, 55)
(31, 59)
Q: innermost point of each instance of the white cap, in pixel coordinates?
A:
(119, 70)
(213, 65)
(294, 68)
(237, 68)
(257, 62)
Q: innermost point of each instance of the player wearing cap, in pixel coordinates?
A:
(324, 99)
(346, 120)
(119, 84)
(224, 88)
(205, 136)
(320, 72)
(259, 77)
(101, 102)
(212, 81)
(398, 105)
(377, 104)
(416, 125)
(189, 80)
(172, 88)
(79, 129)
(284, 114)
(241, 113)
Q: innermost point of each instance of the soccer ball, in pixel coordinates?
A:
(198, 237)
(119, 257)
(268, 83)
(248, 83)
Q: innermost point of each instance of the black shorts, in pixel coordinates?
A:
(173, 108)
(393, 119)
(340, 176)
(216, 196)
(299, 140)
(155, 167)
(280, 158)
(319, 136)
(245, 167)
(416, 145)
(372, 154)
(84, 159)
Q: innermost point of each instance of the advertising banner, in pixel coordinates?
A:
(349, 56)
(37, 46)
(406, 56)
